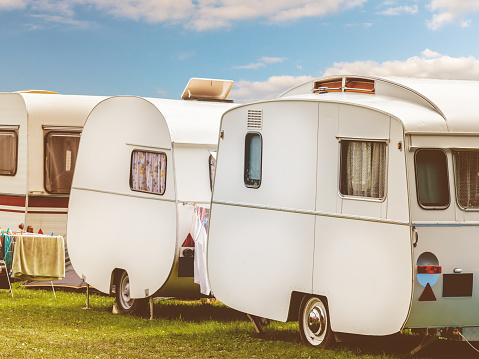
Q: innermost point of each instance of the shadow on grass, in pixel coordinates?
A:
(196, 311)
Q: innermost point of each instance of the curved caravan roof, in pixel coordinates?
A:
(194, 122)
(445, 106)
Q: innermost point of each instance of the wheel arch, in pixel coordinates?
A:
(295, 303)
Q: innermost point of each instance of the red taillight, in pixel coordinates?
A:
(428, 269)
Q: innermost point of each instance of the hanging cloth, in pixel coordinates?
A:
(40, 258)
(200, 237)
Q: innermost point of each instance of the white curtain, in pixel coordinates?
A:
(365, 169)
(148, 172)
(467, 172)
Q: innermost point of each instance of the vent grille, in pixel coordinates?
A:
(255, 119)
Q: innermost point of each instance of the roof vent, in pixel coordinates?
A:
(344, 84)
(207, 90)
(255, 119)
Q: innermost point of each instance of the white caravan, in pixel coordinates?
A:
(352, 204)
(39, 137)
(143, 165)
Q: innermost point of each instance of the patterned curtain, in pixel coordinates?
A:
(148, 172)
(365, 169)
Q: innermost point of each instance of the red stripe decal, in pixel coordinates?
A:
(47, 201)
(11, 210)
(47, 212)
(9, 200)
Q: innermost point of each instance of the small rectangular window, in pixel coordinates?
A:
(61, 150)
(8, 153)
(363, 169)
(148, 172)
(432, 183)
(252, 159)
(212, 166)
(467, 179)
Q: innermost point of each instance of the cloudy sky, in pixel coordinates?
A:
(152, 47)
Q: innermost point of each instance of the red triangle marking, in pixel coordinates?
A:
(189, 242)
(427, 295)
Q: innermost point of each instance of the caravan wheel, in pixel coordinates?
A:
(314, 327)
(124, 302)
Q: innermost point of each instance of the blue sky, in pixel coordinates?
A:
(152, 47)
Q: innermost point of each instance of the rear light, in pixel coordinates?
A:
(428, 269)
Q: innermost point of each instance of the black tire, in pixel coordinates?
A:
(124, 302)
(314, 327)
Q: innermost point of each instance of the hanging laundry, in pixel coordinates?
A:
(200, 237)
(38, 257)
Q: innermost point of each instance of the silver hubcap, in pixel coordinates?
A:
(125, 298)
(317, 321)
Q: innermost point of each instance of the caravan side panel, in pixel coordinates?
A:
(261, 240)
(110, 225)
(14, 188)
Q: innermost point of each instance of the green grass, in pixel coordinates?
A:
(35, 324)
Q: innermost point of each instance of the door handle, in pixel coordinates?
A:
(416, 237)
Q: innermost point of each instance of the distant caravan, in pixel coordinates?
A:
(144, 166)
(39, 136)
(351, 204)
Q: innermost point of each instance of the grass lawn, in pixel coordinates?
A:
(35, 324)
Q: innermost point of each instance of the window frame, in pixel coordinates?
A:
(416, 180)
(131, 167)
(15, 132)
(247, 183)
(340, 169)
(47, 135)
(456, 188)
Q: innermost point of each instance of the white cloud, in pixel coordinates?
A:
(262, 63)
(399, 10)
(250, 91)
(193, 14)
(63, 20)
(447, 12)
(13, 4)
(430, 64)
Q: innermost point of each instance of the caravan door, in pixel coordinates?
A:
(445, 232)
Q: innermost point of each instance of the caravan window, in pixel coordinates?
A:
(252, 159)
(363, 169)
(8, 153)
(466, 165)
(432, 181)
(148, 172)
(61, 150)
(212, 167)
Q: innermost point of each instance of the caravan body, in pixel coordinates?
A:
(351, 204)
(39, 137)
(125, 238)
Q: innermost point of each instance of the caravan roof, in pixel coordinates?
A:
(445, 106)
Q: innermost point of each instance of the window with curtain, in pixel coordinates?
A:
(253, 158)
(212, 166)
(363, 169)
(432, 183)
(8, 153)
(467, 178)
(61, 149)
(148, 172)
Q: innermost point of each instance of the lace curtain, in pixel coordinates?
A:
(364, 169)
(148, 172)
(467, 173)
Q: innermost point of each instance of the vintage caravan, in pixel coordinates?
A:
(143, 166)
(39, 137)
(351, 204)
